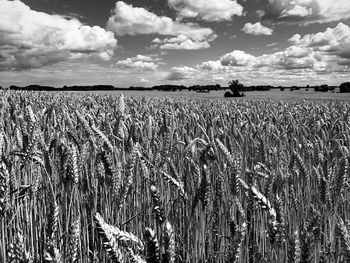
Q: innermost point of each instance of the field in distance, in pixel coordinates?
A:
(274, 94)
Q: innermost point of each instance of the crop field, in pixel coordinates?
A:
(106, 178)
(274, 94)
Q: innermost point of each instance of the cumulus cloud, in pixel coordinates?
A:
(324, 53)
(31, 39)
(307, 11)
(291, 58)
(182, 42)
(143, 80)
(129, 20)
(212, 65)
(286, 60)
(257, 29)
(139, 63)
(334, 41)
(181, 73)
(144, 58)
(208, 10)
(236, 58)
(296, 11)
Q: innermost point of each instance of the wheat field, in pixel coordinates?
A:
(99, 178)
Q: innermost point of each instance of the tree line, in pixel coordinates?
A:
(234, 86)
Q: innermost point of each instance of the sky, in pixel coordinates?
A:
(180, 42)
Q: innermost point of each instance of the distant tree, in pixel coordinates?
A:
(344, 87)
(322, 88)
(235, 88)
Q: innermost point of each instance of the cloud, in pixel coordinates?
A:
(324, 53)
(287, 60)
(208, 10)
(307, 11)
(139, 63)
(129, 20)
(182, 42)
(212, 65)
(180, 73)
(272, 44)
(236, 58)
(291, 58)
(296, 11)
(257, 29)
(331, 46)
(143, 80)
(334, 41)
(144, 58)
(31, 39)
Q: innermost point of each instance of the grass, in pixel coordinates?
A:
(105, 178)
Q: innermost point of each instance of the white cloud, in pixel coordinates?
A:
(307, 11)
(181, 73)
(212, 66)
(297, 52)
(295, 38)
(334, 41)
(260, 13)
(31, 39)
(272, 44)
(143, 80)
(236, 58)
(182, 42)
(297, 10)
(139, 63)
(144, 58)
(286, 60)
(305, 60)
(186, 45)
(129, 20)
(292, 58)
(208, 10)
(257, 29)
(312, 50)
